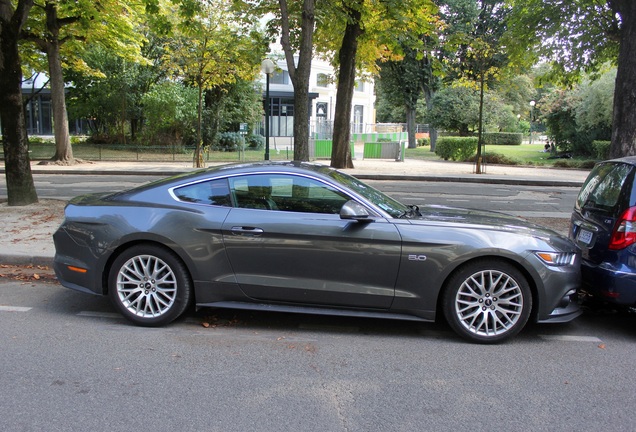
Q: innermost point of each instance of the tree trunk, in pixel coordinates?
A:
(410, 126)
(432, 132)
(198, 152)
(20, 186)
(300, 74)
(480, 125)
(624, 117)
(63, 150)
(341, 152)
(301, 120)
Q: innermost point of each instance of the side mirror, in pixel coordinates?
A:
(351, 210)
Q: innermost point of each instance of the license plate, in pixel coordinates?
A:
(585, 237)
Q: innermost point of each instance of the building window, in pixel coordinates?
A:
(279, 77)
(359, 86)
(321, 109)
(39, 115)
(358, 118)
(323, 80)
(281, 117)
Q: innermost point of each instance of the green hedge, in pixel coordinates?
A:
(503, 138)
(601, 149)
(456, 148)
(423, 142)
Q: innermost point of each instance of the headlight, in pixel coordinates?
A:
(557, 258)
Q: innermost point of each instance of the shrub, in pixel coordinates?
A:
(601, 149)
(423, 142)
(255, 142)
(456, 148)
(495, 158)
(569, 163)
(503, 138)
(229, 141)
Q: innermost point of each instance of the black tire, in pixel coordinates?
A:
(149, 285)
(487, 301)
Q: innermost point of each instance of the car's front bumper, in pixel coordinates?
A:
(567, 309)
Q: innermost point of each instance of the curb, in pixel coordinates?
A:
(388, 177)
(37, 260)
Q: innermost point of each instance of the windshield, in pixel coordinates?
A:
(603, 187)
(395, 208)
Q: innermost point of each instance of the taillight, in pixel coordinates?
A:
(625, 230)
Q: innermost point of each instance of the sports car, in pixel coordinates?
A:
(303, 237)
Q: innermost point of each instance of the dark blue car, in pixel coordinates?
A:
(604, 227)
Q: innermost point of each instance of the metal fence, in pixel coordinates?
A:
(95, 152)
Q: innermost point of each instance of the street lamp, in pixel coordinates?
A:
(532, 104)
(267, 67)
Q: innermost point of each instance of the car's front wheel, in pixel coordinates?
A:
(149, 285)
(487, 301)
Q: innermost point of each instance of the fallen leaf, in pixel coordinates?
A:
(602, 346)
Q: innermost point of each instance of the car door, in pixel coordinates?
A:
(287, 243)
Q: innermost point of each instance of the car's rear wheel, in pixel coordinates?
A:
(149, 285)
(487, 301)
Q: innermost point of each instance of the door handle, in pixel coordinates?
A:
(246, 230)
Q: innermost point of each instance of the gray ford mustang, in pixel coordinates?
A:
(301, 237)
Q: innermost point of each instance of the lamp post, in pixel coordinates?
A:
(267, 67)
(532, 104)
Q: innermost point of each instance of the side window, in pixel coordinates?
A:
(213, 192)
(284, 192)
(253, 191)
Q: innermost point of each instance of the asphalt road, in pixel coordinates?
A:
(527, 201)
(69, 363)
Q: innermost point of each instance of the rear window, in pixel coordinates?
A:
(604, 187)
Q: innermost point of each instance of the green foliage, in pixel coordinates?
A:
(596, 99)
(496, 159)
(577, 117)
(517, 91)
(227, 106)
(229, 141)
(575, 36)
(456, 148)
(501, 138)
(456, 109)
(255, 142)
(423, 142)
(601, 149)
(170, 110)
(114, 95)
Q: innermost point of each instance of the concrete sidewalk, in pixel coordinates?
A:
(410, 169)
(26, 237)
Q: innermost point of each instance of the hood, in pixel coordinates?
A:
(484, 219)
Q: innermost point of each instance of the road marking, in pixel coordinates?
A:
(567, 338)
(14, 309)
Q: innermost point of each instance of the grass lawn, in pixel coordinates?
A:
(524, 154)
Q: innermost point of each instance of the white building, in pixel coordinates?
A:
(322, 95)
